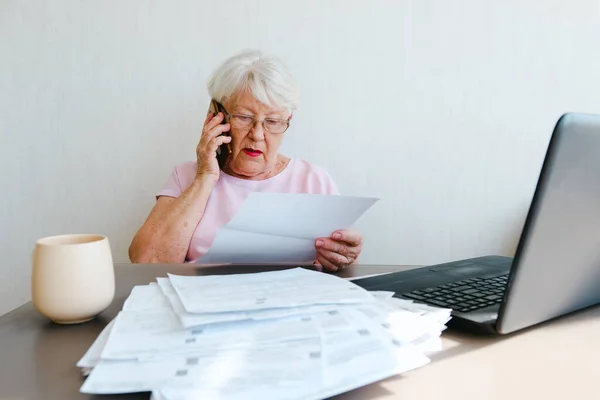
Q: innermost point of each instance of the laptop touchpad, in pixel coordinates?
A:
(470, 270)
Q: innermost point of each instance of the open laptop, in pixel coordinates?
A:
(556, 268)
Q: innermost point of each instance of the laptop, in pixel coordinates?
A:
(556, 267)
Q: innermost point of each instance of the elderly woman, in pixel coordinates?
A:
(257, 99)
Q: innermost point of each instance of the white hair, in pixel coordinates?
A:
(265, 77)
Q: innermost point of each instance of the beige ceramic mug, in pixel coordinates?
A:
(73, 277)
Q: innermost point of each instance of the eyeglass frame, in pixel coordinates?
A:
(255, 120)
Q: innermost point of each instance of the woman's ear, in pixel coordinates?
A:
(291, 115)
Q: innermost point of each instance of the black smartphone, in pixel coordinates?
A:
(223, 150)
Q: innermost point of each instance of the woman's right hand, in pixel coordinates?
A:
(206, 151)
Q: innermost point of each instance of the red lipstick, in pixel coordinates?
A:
(252, 152)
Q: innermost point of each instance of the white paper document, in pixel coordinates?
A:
(291, 367)
(405, 327)
(265, 290)
(282, 227)
(92, 356)
(189, 319)
(346, 360)
(157, 334)
(145, 297)
(362, 357)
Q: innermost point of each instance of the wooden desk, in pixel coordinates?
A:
(556, 360)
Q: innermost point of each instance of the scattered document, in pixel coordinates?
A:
(313, 336)
(350, 365)
(189, 319)
(403, 327)
(265, 290)
(236, 370)
(145, 297)
(382, 294)
(91, 358)
(157, 334)
(283, 227)
(349, 360)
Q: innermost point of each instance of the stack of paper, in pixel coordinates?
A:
(292, 334)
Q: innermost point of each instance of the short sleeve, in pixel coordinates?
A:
(172, 187)
(310, 178)
(330, 186)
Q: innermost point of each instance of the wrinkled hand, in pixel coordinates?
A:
(208, 144)
(338, 251)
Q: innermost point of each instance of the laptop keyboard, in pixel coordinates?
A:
(463, 296)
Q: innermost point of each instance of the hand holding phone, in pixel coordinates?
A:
(214, 146)
(224, 149)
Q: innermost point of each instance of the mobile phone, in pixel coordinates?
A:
(223, 150)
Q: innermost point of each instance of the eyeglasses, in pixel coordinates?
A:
(246, 122)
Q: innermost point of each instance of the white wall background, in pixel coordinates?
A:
(443, 109)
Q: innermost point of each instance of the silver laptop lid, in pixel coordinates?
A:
(557, 264)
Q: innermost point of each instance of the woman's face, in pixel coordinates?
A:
(254, 150)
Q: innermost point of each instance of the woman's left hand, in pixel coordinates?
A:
(339, 250)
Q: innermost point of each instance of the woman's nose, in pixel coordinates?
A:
(257, 132)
